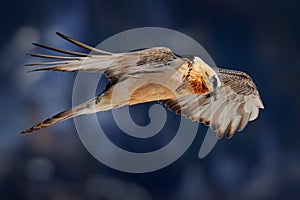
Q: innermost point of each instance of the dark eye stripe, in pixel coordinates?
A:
(214, 81)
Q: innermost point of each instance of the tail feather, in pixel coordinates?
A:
(51, 120)
(89, 107)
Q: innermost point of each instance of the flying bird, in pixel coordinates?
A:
(225, 100)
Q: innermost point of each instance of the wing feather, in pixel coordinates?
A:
(226, 111)
(82, 45)
(60, 50)
(233, 126)
(113, 65)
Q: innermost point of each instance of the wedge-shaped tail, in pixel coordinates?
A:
(94, 105)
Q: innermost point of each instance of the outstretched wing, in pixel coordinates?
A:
(228, 110)
(113, 65)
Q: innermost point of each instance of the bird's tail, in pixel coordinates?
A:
(92, 106)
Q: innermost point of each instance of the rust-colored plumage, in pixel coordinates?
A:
(223, 99)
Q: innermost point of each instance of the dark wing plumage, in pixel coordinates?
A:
(113, 65)
(229, 109)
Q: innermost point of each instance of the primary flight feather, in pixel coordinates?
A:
(226, 100)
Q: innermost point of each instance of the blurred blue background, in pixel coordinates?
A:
(259, 37)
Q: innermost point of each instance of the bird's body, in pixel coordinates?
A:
(224, 99)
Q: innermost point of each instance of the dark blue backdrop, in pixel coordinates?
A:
(259, 37)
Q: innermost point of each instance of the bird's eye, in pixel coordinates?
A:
(214, 81)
